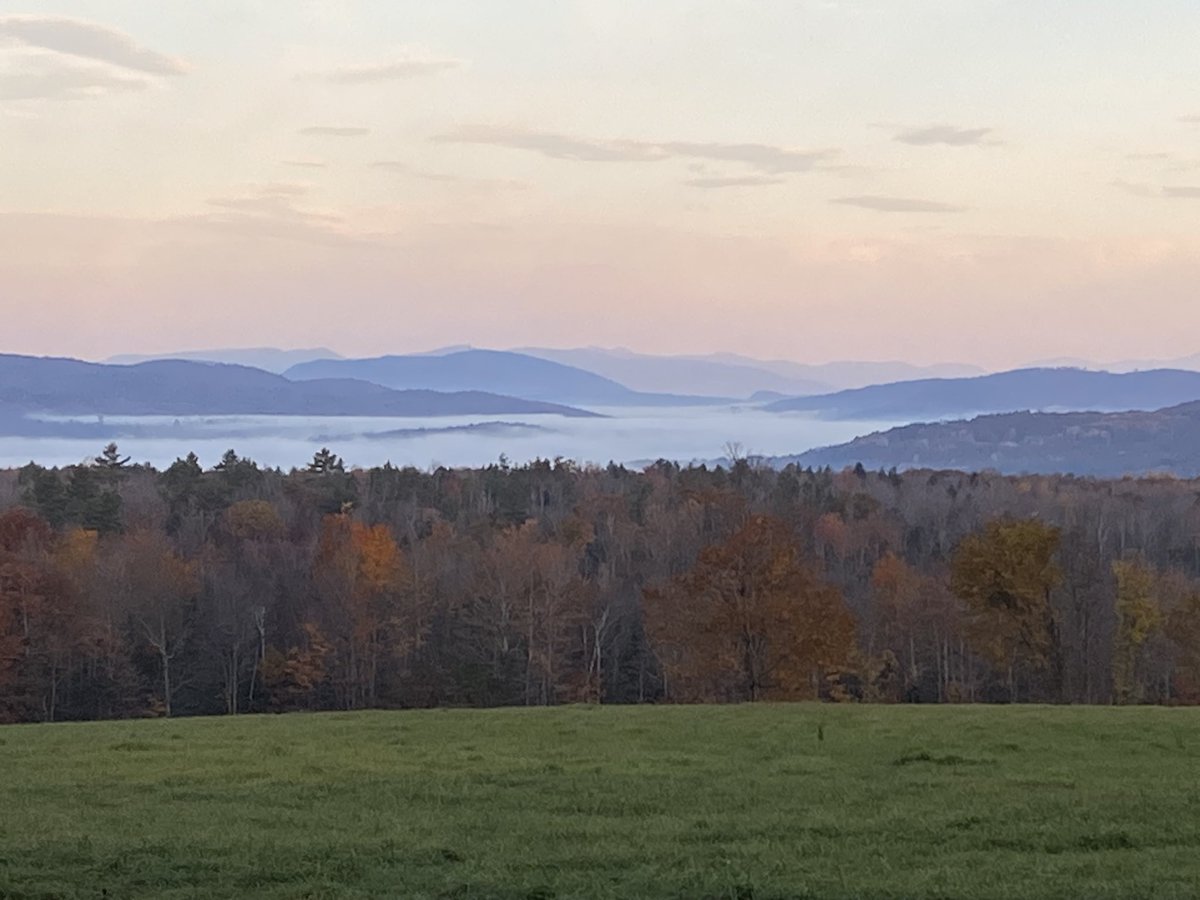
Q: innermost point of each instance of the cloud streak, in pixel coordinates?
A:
(717, 182)
(481, 184)
(413, 66)
(948, 135)
(335, 131)
(51, 77)
(1163, 192)
(555, 146)
(765, 158)
(274, 210)
(898, 204)
(87, 40)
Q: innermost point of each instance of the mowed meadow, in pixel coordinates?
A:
(759, 801)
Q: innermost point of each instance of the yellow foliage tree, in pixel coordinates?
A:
(1138, 617)
(1005, 575)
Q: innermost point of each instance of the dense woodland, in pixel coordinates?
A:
(125, 591)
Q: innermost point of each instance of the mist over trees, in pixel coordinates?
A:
(126, 591)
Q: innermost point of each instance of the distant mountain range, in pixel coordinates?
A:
(1096, 444)
(1021, 389)
(1190, 362)
(32, 387)
(729, 374)
(719, 375)
(680, 374)
(845, 374)
(269, 359)
(502, 371)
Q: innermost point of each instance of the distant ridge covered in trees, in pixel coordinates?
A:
(1104, 445)
(126, 591)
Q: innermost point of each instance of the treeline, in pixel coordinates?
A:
(125, 591)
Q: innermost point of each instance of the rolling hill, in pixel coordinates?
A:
(1082, 443)
(32, 386)
(731, 374)
(1021, 389)
(270, 359)
(505, 372)
(850, 373)
(679, 374)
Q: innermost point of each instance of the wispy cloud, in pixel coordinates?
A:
(480, 184)
(556, 146)
(39, 76)
(304, 163)
(899, 204)
(59, 58)
(1166, 160)
(276, 209)
(1137, 188)
(949, 135)
(410, 65)
(87, 40)
(714, 181)
(1191, 120)
(1162, 192)
(765, 158)
(335, 131)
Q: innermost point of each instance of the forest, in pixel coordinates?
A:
(128, 592)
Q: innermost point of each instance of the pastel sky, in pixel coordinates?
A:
(989, 181)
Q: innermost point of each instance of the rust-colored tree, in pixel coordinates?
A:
(915, 634)
(1182, 629)
(40, 630)
(531, 614)
(750, 621)
(160, 587)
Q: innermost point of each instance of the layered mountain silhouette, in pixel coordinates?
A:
(1191, 361)
(1097, 444)
(1021, 389)
(502, 371)
(845, 374)
(717, 375)
(680, 374)
(733, 375)
(40, 386)
(270, 359)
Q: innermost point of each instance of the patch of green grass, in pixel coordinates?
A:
(772, 802)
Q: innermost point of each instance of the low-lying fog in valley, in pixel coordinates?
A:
(625, 435)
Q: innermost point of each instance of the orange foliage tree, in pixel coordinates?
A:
(363, 579)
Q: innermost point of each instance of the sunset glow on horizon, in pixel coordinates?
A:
(931, 180)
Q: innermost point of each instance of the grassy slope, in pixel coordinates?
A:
(680, 802)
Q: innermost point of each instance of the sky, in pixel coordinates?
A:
(986, 181)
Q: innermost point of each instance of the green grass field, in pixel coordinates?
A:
(677, 802)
